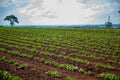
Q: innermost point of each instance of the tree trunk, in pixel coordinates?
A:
(12, 24)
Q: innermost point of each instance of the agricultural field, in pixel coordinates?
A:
(59, 54)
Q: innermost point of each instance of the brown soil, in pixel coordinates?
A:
(41, 68)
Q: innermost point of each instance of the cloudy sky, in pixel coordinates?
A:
(60, 12)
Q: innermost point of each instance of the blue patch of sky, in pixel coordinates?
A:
(5, 11)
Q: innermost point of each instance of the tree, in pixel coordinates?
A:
(12, 19)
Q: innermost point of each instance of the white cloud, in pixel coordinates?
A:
(5, 3)
(16, 3)
(64, 11)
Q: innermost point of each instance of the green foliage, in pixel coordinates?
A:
(68, 67)
(69, 78)
(16, 63)
(14, 52)
(79, 61)
(109, 76)
(12, 19)
(3, 50)
(23, 66)
(47, 53)
(52, 49)
(11, 61)
(21, 54)
(112, 61)
(93, 57)
(3, 58)
(33, 50)
(72, 45)
(85, 72)
(7, 75)
(75, 59)
(52, 73)
(26, 55)
(104, 66)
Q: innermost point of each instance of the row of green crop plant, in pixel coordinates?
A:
(75, 59)
(47, 36)
(16, 43)
(53, 36)
(46, 61)
(53, 49)
(24, 39)
(34, 50)
(93, 57)
(67, 57)
(83, 71)
(27, 44)
(88, 55)
(57, 74)
(30, 43)
(8, 75)
(95, 48)
(105, 66)
(24, 46)
(11, 61)
(79, 61)
(109, 76)
(83, 37)
(19, 47)
(100, 57)
(54, 63)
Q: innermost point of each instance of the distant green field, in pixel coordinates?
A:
(94, 53)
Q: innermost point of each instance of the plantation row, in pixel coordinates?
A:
(9, 76)
(52, 49)
(61, 55)
(79, 40)
(34, 49)
(53, 63)
(89, 54)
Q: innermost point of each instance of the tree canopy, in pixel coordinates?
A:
(12, 19)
